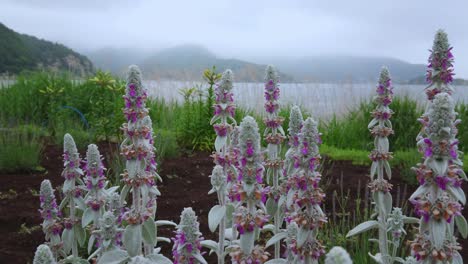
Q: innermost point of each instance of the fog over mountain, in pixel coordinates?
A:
(316, 33)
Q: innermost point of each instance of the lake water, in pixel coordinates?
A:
(321, 100)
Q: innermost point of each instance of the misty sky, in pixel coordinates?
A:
(249, 29)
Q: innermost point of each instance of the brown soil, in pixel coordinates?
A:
(185, 184)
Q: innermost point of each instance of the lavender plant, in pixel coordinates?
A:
(43, 255)
(439, 198)
(224, 112)
(390, 223)
(187, 241)
(250, 194)
(51, 225)
(73, 233)
(274, 136)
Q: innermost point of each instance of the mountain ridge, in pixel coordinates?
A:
(19, 52)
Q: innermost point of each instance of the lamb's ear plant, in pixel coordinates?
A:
(223, 122)
(187, 241)
(274, 136)
(294, 128)
(140, 173)
(338, 255)
(439, 198)
(43, 255)
(304, 197)
(73, 233)
(51, 225)
(95, 199)
(250, 194)
(389, 222)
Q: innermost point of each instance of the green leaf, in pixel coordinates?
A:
(363, 227)
(215, 216)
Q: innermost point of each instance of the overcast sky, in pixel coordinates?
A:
(402, 29)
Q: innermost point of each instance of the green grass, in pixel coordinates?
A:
(20, 150)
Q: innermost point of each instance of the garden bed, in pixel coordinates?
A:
(186, 183)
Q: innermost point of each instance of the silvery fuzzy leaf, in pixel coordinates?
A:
(388, 123)
(276, 261)
(462, 225)
(387, 168)
(384, 200)
(382, 144)
(373, 169)
(111, 190)
(249, 188)
(92, 238)
(440, 166)
(165, 223)
(372, 123)
(149, 231)
(377, 258)
(420, 190)
(269, 227)
(200, 258)
(272, 150)
(116, 256)
(132, 239)
(158, 258)
(80, 203)
(131, 166)
(271, 206)
(276, 238)
(302, 235)
(215, 216)
(163, 239)
(281, 130)
(220, 142)
(210, 244)
(363, 227)
(458, 193)
(457, 258)
(228, 233)
(247, 241)
(229, 212)
(68, 185)
(398, 259)
(289, 198)
(64, 202)
(87, 217)
(124, 193)
(438, 232)
(67, 239)
(80, 235)
(463, 175)
(214, 119)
